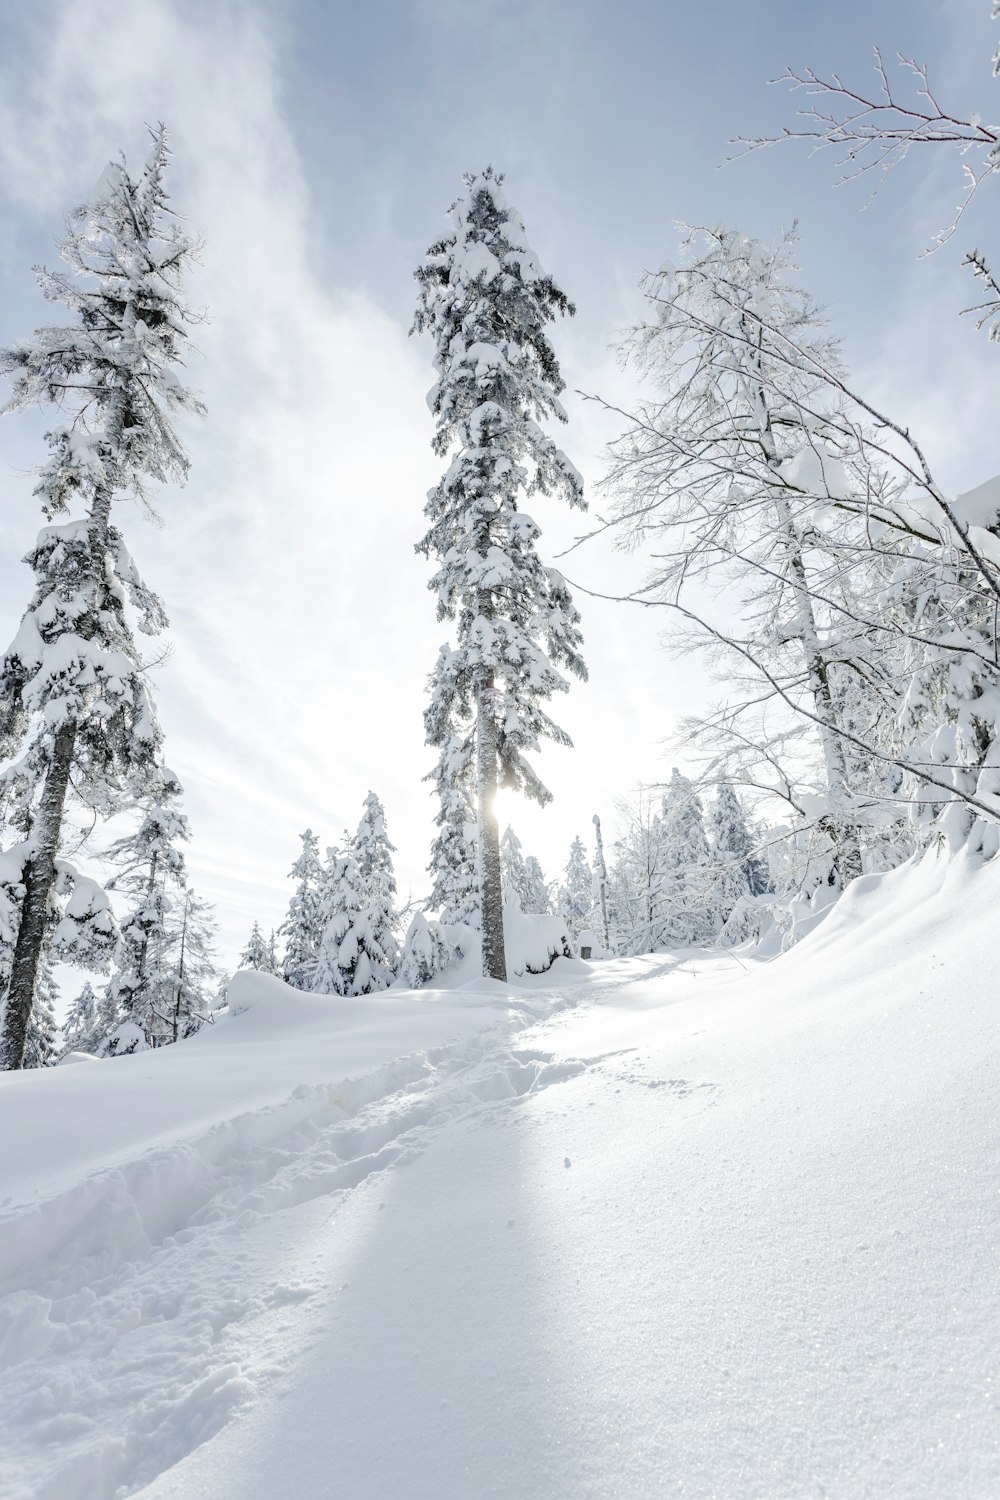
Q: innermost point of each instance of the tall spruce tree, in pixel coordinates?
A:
(486, 301)
(302, 928)
(76, 718)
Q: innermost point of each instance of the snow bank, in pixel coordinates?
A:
(709, 1227)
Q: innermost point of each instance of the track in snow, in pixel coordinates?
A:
(125, 1302)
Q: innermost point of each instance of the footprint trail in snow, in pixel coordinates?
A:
(133, 1322)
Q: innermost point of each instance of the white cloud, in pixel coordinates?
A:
(301, 625)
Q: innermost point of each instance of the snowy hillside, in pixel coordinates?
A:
(682, 1225)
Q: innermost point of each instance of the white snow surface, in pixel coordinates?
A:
(689, 1225)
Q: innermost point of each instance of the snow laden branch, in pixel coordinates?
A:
(857, 594)
(874, 131)
(924, 773)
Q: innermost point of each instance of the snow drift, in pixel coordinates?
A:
(678, 1225)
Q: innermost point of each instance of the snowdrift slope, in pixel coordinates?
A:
(673, 1227)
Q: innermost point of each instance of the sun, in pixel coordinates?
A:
(509, 807)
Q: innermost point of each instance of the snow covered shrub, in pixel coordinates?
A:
(426, 952)
(534, 941)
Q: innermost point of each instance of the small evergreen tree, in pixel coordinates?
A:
(576, 895)
(43, 1031)
(110, 1028)
(487, 301)
(515, 878)
(273, 962)
(536, 887)
(740, 875)
(80, 1031)
(150, 865)
(359, 953)
(373, 852)
(949, 717)
(349, 963)
(454, 866)
(194, 975)
(426, 952)
(685, 916)
(255, 954)
(302, 928)
(341, 904)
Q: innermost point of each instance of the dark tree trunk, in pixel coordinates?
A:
(39, 873)
(180, 968)
(490, 879)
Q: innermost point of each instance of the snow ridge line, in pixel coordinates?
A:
(122, 1214)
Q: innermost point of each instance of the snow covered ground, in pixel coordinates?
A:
(678, 1226)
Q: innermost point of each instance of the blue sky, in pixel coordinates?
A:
(317, 148)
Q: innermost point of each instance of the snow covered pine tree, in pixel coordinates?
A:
(536, 887)
(512, 870)
(486, 301)
(740, 874)
(75, 713)
(41, 1047)
(149, 860)
(576, 895)
(454, 864)
(80, 1026)
(302, 928)
(373, 852)
(687, 919)
(256, 953)
(359, 953)
(193, 972)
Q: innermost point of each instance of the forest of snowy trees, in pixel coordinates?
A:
(795, 536)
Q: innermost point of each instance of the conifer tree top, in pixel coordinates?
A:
(126, 252)
(487, 302)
